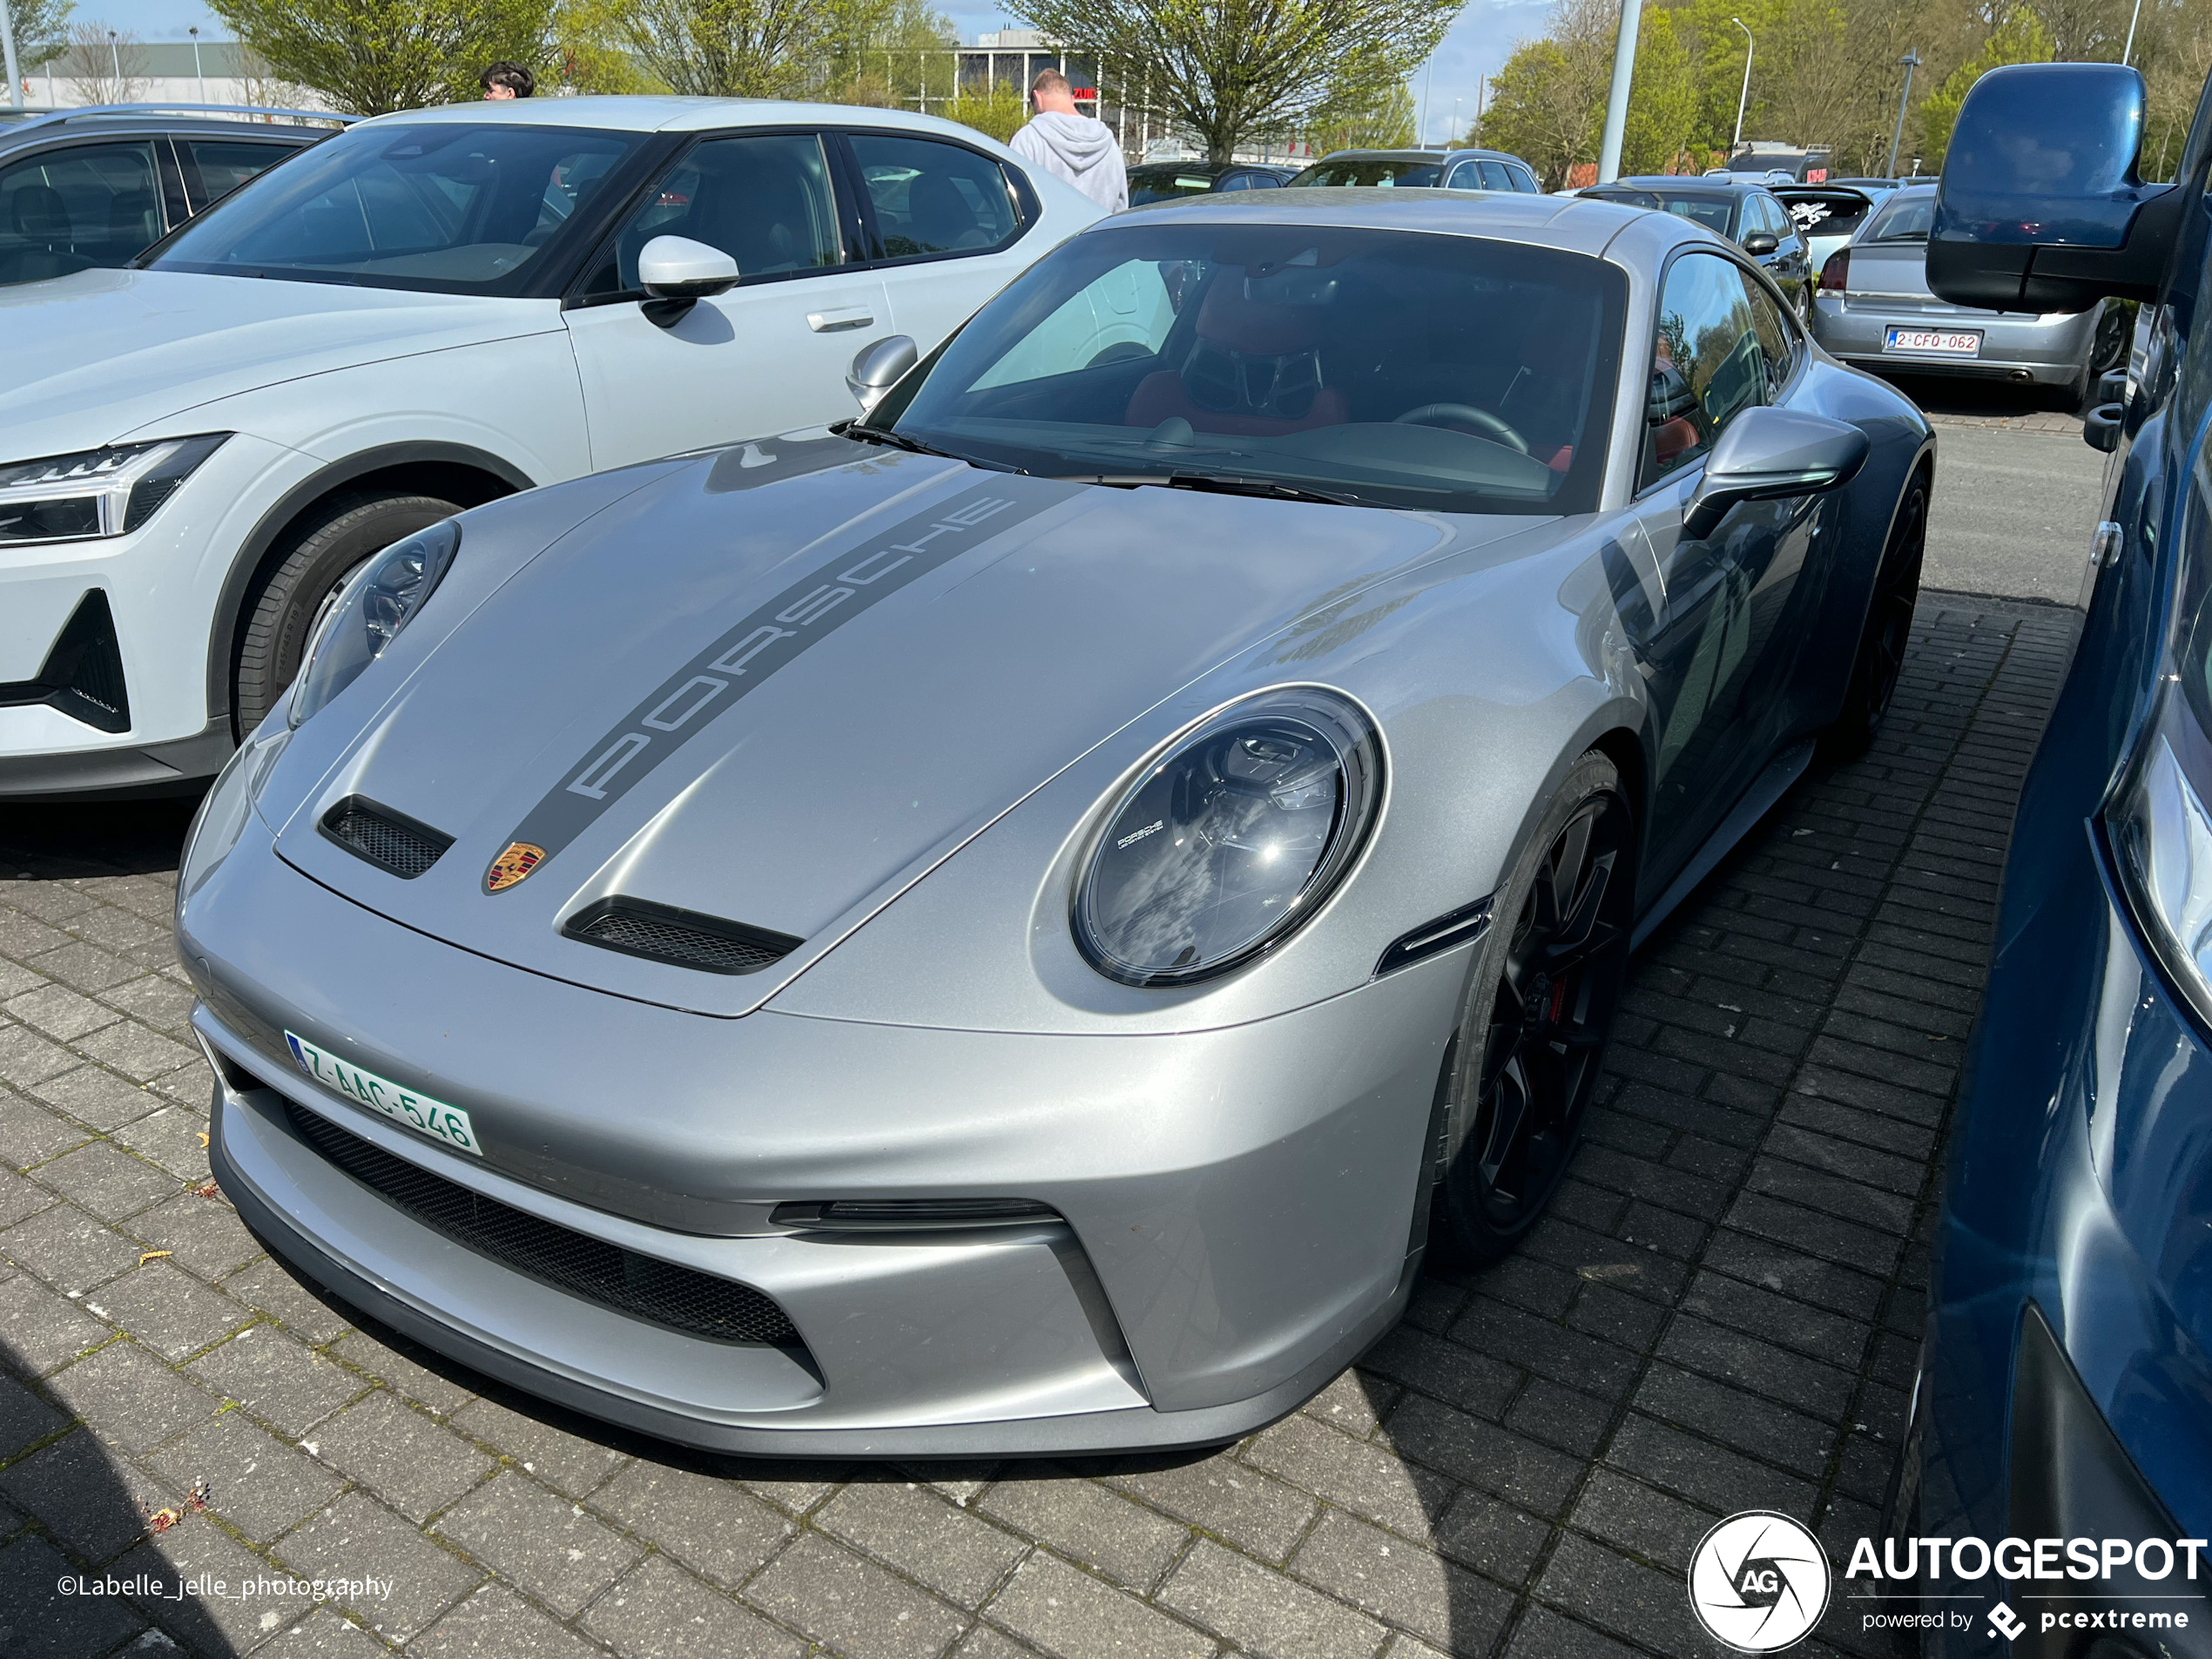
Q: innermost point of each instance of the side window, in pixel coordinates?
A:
(1494, 176)
(222, 164)
(1124, 313)
(934, 198)
(1777, 343)
(1523, 180)
(1235, 181)
(1709, 364)
(764, 199)
(1264, 181)
(71, 209)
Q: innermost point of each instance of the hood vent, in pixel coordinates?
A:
(391, 841)
(662, 934)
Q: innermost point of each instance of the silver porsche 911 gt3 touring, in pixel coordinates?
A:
(1013, 926)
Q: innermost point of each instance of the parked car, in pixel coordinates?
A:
(81, 189)
(1751, 215)
(1423, 169)
(1162, 181)
(1874, 308)
(427, 310)
(1012, 929)
(1827, 216)
(2061, 1389)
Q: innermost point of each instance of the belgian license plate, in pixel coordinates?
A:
(1945, 342)
(419, 1112)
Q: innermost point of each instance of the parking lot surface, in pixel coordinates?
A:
(1721, 1312)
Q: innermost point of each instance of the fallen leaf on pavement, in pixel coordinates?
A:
(145, 1256)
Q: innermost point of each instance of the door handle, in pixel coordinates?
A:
(836, 322)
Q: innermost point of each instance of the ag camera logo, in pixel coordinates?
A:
(1758, 1582)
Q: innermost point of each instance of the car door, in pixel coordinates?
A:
(75, 206)
(767, 356)
(1710, 638)
(946, 224)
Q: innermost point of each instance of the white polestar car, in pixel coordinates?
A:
(428, 311)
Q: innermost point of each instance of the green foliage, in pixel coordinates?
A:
(373, 56)
(1662, 114)
(1547, 103)
(1386, 121)
(1229, 70)
(999, 113)
(42, 30)
(2021, 39)
(729, 48)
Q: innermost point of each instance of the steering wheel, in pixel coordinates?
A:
(1466, 414)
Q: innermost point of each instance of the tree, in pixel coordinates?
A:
(1663, 113)
(42, 30)
(1229, 70)
(729, 48)
(2021, 39)
(1372, 121)
(373, 56)
(1547, 103)
(997, 113)
(103, 65)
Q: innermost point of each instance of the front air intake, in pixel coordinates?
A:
(82, 676)
(662, 934)
(681, 1298)
(391, 841)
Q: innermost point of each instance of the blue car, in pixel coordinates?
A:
(2060, 1449)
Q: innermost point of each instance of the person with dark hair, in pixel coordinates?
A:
(506, 80)
(1077, 148)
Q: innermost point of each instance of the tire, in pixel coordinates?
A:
(1888, 628)
(1532, 1028)
(314, 558)
(2114, 338)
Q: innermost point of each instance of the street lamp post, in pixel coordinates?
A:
(199, 73)
(1911, 61)
(8, 53)
(2129, 50)
(1616, 103)
(1742, 98)
(115, 61)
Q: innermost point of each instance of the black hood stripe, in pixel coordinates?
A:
(689, 699)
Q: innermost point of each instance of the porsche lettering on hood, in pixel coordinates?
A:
(688, 701)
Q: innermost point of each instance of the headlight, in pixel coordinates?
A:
(95, 492)
(367, 613)
(1230, 840)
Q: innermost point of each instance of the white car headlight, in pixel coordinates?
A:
(95, 492)
(367, 614)
(1225, 844)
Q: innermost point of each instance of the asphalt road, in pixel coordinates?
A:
(2017, 493)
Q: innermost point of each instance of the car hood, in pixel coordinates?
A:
(97, 356)
(780, 710)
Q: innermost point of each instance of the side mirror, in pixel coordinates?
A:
(676, 268)
(1769, 452)
(878, 369)
(1759, 243)
(2041, 208)
(2101, 427)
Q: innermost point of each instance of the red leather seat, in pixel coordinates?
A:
(1257, 344)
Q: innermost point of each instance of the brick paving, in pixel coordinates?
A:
(1721, 1312)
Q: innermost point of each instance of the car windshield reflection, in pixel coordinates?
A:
(1385, 369)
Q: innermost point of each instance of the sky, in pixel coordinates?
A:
(1478, 44)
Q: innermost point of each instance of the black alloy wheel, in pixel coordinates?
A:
(1888, 632)
(1538, 1013)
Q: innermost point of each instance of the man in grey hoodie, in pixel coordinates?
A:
(1075, 147)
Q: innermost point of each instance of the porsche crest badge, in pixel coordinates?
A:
(510, 866)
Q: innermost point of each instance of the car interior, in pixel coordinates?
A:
(77, 208)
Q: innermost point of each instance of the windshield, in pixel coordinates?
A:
(454, 208)
(1828, 213)
(1905, 218)
(1387, 367)
(1410, 171)
(1166, 185)
(1714, 212)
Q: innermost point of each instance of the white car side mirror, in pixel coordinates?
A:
(676, 268)
(878, 369)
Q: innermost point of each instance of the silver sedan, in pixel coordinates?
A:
(1874, 309)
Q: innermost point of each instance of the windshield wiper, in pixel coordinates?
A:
(885, 435)
(1215, 484)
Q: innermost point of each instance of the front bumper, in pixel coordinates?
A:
(1238, 1203)
(2048, 351)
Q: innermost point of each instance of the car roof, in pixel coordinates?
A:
(1574, 225)
(1385, 155)
(44, 128)
(1208, 166)
(1687, 185)
(659, 114)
